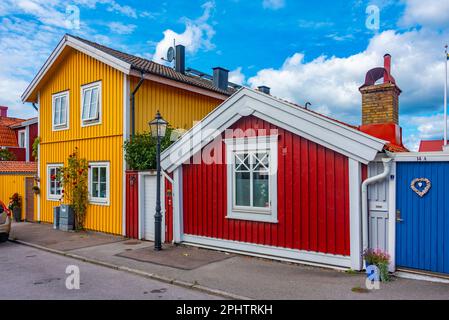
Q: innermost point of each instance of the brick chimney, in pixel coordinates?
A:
(380, 104)
(3, 111)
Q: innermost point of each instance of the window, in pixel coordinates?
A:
(91, 104)
(54, 185)
(252, 178)
(60, 107)
(99, 182)
(21, 139)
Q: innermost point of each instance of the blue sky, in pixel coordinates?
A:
(306, 51)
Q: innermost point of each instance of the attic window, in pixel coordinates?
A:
(91, 103)
(60, 108)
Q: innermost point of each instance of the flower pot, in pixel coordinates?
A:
(17, 213)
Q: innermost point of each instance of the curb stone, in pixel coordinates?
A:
(179, 283)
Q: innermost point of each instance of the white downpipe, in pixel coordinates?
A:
(382, 176)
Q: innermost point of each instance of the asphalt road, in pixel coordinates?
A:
(28, 273)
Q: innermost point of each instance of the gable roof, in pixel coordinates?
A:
(323, 130)
(7, 135)
(124, 62)
(9, 167)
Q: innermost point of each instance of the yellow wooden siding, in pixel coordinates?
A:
(179, 107)
(104, 218)
(103, 142)
(12, 183)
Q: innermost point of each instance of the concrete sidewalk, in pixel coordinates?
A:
(228, 275)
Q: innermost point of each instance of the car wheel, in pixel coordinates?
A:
(3, 237)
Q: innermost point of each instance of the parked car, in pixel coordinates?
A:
(5, 222)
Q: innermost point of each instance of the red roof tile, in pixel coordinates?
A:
(7, 135)
(17, 167)
(431, 145)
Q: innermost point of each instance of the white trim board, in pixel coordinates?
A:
(271, 252)
(314, 127)
(419, 156)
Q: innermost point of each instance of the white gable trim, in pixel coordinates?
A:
(70, 41)
(314, 127)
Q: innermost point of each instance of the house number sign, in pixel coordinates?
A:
(421, 186)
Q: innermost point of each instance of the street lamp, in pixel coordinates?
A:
(158, 127)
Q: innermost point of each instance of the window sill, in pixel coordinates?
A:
(54, 199)
(90, 123)
(256, 217)
(99, 202)
(62, 128)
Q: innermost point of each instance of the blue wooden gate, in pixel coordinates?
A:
(422, 222)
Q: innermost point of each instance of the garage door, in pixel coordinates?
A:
(148, 194)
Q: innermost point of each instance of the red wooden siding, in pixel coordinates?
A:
(168, 211)
(32, 136)
(313, 198)
(132, 204)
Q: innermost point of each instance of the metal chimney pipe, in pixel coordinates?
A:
(387, 67)
(180, 59)
(220, 78)
(264, 89)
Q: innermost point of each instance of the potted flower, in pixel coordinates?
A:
(15, 205)
(36, 190)
(380, 259)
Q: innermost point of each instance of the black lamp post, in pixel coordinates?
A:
(158, 127)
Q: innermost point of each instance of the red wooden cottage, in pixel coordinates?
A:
(266, 177)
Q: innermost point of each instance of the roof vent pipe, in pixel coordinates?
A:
(221, 76)
(180, 59)
(264, 89)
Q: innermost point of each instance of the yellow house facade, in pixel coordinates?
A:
(84, 94)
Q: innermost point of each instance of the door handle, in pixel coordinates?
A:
(398, 216)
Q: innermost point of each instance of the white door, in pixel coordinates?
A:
(378, 209)
(148, 195)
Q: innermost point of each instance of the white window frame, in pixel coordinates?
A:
(19, 133)
(65, 125)
(252, 144)
(93, 122)
(53, 197)
(96, 200)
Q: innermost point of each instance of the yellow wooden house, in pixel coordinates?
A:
(93, 97)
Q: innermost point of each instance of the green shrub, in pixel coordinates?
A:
(6, 155)
(140, 151)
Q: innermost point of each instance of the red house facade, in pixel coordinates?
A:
(266, 177)
(18, 135)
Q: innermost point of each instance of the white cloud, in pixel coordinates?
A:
(273, 4)
(331, 83)
(197, 35)
(426, 13)
(236, 76)
(121, 28)
(111, 5)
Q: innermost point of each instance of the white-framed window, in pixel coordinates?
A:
(91, 104)
(252, 178)
(21, 137)
(99, 183)
(60, 109)
(54, 185)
